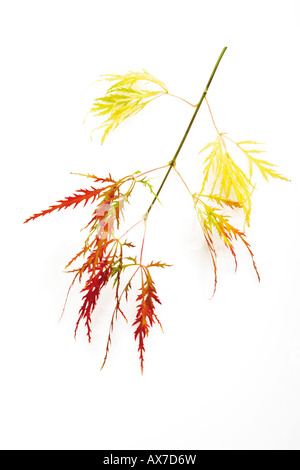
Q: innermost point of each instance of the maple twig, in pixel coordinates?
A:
(104, 256)
(137, 223)
(220, 134)
(150, 171)
(143, 242)
(182, 99)
(211, 115)
(183, 181)
(171, 164)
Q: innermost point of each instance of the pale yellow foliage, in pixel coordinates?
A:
(222, 177)
(127, 96)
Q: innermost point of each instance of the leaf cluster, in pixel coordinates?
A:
(105, 257)
(213, 222)
(129, 94)
(228, 179)
(229, 187)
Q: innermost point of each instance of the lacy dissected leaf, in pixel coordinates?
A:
(265, 168)
(131, 78)
(213, 222)
(224, 176)
(98, 266)
(222, 201)
(105, 262)
(80, 196)
(146, 315)
(125, 98)
(146, 183)
(227, 177)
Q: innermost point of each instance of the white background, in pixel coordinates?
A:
(226, 372)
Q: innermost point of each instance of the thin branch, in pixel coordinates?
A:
(137, 223)
(220, 134)
(211, 114)
(183, 182)
(142, 248)
(179, 98)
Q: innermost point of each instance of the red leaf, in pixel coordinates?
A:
(82, 195)
(146, 316)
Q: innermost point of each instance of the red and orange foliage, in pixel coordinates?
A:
(146, 316)
(103, 257)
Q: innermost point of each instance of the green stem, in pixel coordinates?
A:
(172, 163)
